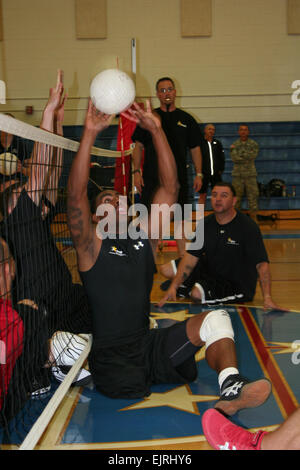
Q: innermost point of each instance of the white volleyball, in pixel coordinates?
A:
(8, 163)
(112, 91)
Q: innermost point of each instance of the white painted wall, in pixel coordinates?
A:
(243, 72)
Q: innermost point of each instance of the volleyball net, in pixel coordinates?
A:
(44, 314)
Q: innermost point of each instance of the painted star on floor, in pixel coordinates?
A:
(178, 315)
(180, 398)
(284, 348)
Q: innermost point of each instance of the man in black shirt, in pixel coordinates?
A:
(29, 209)
(233, 256)
(24, 337)
(213, 161)
(183, 134)
(117, 270)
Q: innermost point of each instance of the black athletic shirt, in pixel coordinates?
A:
(232, 251)
(182, 132)
(118, 287)
(40, 267)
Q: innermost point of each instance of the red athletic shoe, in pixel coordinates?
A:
(222, 434)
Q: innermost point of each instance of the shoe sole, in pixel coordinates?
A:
(41, 391)
(252, 395)
(82, 382)
(83, 377)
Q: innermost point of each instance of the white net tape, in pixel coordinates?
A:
(42, 422)
(27, 131)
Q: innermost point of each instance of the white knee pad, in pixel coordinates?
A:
(216, 325)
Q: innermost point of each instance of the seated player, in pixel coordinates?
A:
(232, 258)
(24, 346)
(42, 274)
(29, 209)
(126, 356)
(11, 324)
(24, 356)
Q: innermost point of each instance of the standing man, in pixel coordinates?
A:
(244, 177)
(213, 161)
(183, 134)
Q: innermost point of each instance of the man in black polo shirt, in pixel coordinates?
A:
(231, 260)
(183, 134)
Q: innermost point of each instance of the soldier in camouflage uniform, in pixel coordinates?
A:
(243, 153)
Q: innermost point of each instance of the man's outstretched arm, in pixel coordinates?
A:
(167, 192)
(78, 207)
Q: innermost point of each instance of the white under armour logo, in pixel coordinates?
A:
(138, 245)
(233, 389)
(226, 447)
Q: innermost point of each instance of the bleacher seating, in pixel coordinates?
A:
(279, 157)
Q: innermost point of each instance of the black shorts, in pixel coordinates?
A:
(214, 290)
(209, 180)
(129, 370)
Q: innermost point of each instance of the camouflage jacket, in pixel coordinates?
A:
(243, 155)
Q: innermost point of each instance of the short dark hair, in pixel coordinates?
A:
(96, 200)
(164, 79)
(226, 185)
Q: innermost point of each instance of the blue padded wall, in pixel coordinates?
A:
(279, 156)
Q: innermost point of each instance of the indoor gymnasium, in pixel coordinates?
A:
(169, 341)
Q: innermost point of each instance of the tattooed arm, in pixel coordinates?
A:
(80, 223)
(185, 267)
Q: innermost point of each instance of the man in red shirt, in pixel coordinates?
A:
(11, 325)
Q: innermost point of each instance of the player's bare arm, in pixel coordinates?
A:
(80, 223)
(185, 268)
(168, 188)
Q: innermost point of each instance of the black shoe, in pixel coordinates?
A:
(238, 393)
(165, 285)
(40, 385)
(183, 291)
(82, 379)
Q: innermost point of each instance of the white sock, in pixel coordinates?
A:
(226, 373)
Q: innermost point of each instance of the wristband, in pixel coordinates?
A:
(200, 174)
(136, 171)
